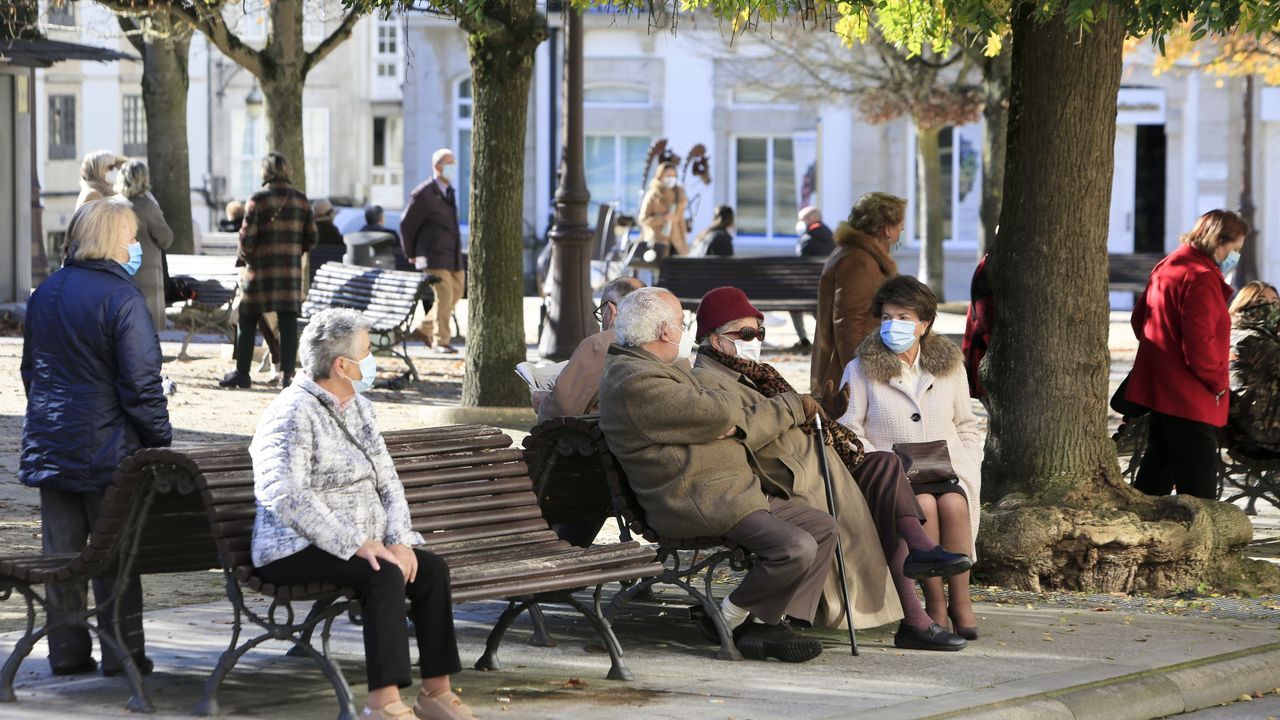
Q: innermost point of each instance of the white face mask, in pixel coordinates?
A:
(684, 348)
(668, 182)
(801, 227)
(748, 350)
(446, 171)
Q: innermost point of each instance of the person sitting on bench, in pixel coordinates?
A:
(683, 449)
(330, 508)
(731, 331)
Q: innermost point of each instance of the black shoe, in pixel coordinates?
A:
(707, 627)
(145, 666)
(757, 641)
(933, 638)
(921, 564)
(83, 667)
(234, 379)
(286, 382)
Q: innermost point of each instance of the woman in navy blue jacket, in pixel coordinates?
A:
(91, 369)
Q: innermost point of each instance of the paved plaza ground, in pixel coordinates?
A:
(1040, 656)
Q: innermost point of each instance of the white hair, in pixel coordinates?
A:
(330, 334)
(641, 314)
(439, 155)
(134, 179)
(810, 214)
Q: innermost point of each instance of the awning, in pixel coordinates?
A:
(42, 52)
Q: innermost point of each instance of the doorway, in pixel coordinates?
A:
(1149, 193)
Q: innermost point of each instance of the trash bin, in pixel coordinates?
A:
(370, 249)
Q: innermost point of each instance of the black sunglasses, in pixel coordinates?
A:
(746, 334)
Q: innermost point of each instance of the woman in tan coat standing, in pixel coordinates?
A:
(662, 210)
(134, 183)
(855, 270)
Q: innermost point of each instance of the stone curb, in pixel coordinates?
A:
(1181, 688)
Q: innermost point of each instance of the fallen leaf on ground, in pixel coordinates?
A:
(574, 684)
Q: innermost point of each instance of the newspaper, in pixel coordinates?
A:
(540, 378)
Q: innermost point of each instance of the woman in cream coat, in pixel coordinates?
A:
(907, 385)
(662, 210)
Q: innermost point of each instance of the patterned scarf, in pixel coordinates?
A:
(770, 383)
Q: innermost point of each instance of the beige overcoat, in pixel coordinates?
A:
(789, 456)
(658, 226)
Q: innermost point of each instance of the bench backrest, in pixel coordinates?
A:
(213, 277)
(386, 298)
(761, 278)
(1130, 271)
(563, 456)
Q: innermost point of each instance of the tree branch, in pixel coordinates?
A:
(214, 27)
(132, 32)
(336, 38)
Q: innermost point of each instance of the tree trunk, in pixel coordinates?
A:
(282, 79)
(1065, 519)
(164, 94)
(501, 72)
(996, 73)
(929, 170)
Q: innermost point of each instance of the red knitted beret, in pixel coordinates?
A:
(723, 305)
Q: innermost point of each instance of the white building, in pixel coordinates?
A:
(1178, 144)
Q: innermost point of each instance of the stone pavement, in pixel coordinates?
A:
(1032, 661)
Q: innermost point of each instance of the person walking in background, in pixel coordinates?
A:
(717, 239)
(978, 320)
(279, 230)
(432, 240)
(91, 371)
(855, 270)
(1181, 372)
(907, 392)
(234, 217)
(662, 211)
(813, 239)
(134, 184)
(95, 177)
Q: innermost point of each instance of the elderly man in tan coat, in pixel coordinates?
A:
(683, 448)
(878, 516)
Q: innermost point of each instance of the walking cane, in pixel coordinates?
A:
(831, 508)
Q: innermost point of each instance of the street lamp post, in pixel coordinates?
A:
(569, 318)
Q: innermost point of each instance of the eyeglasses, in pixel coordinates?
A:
(746, 334)
(599, 311)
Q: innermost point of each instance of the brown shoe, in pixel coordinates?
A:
(420, 337)
(445, 706)
(393, 711)
(446, 349)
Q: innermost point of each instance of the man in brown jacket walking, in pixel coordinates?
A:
(432, 241)
(682, 446)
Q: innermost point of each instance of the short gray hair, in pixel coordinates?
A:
(330, 334)
(619, 288)
(134, 179)
(641, 314)
(440, 154)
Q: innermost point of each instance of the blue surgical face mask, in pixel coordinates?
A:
(1229, 262)
(368, 373)
(135, 258)
(898, 335)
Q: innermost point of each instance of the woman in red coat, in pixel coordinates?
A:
(1180, 373)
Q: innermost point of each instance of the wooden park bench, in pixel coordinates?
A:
(1130, 272)
(772, 283)
(579, 483)
(469, 494)
(214, 278)
(386, 298)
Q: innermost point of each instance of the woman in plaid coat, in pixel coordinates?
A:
(279, 230)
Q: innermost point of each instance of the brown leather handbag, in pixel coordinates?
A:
(926, 462)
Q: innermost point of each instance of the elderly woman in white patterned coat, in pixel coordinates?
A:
(908, 385)
(330, 508)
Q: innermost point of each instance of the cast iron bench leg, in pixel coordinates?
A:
(489, 660)
(111, 642)
(617, 669)
(540, 636)
(313, 615)
(23, 647)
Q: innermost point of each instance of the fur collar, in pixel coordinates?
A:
(850, 237)
(939, 356)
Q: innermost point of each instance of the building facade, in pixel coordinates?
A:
(1179, 149)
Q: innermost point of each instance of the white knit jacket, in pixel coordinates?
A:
(314, 486)
(881, 407)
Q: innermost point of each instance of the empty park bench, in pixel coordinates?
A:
(579, 483)
(214, 279)
(470, 496)
(772, 283)
(1130, 272)
(386, 298)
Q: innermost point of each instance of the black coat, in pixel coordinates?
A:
(429, 227)
(817, 241)
(721, 243)
(91, 369)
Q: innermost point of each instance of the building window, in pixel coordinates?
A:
(387, 49)
(765, 186)
(135, 126)
(62, 13)
(462, 103)
(387, 178)
(615, 170)
(960, 187)
(313, 14)
(62, 127)
(249, 145)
